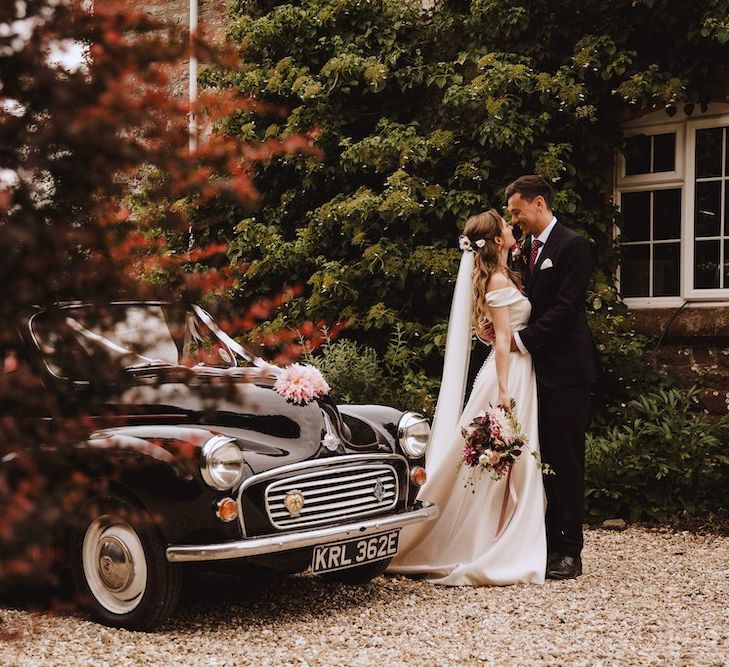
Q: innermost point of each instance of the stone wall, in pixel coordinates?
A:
(211, 22)
(694, 349)
(211, 13)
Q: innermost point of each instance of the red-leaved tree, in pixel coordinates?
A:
(77, 141)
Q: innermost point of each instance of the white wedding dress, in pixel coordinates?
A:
(490, 533)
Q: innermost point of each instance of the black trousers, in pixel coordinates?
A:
(564, 415)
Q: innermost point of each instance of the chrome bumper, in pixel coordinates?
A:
(256, 546)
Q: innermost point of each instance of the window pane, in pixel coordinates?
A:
(706, 265)
(708, 208)
(637, 155)
(636, 209)
(635, 270)
(726, 206)
(666, 269)
(726, 264)
(664, 152)
(708, 152)
(667, 214)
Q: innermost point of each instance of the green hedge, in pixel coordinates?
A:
(661, 461)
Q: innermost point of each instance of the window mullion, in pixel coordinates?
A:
(652, 150)
(650, 238)
(722, 209)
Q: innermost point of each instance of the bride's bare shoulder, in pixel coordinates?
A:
(497, 281)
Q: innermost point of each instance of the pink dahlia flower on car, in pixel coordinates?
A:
(301, 383)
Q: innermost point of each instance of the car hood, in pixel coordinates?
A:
(174, 405)
(171, 410)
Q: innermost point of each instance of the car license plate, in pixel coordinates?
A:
(350, 553)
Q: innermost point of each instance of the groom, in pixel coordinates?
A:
(556, 271)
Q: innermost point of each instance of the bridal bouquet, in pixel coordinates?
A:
(493, 442)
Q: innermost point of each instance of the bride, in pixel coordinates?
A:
(488, 533)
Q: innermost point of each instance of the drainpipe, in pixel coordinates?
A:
(192, 98)
(193, 76)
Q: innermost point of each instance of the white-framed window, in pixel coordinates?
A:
(672, 188)
(652, 154)
(707, 211)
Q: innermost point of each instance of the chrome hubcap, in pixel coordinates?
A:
(114, 564)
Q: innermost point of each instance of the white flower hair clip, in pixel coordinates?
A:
(464, 243)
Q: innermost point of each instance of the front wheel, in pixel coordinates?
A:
(120, 568)
(361, 574)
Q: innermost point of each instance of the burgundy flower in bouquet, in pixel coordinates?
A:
(493, 442)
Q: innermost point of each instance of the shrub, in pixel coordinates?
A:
(625, 372)
(663, 462)
(352, 371)
(357, 374)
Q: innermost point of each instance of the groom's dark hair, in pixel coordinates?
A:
(529, 187)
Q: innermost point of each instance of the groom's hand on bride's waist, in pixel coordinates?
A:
(486, 335)
(486, 332)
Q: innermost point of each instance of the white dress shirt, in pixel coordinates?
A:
(543, 238)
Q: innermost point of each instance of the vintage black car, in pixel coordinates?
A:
(197, 458)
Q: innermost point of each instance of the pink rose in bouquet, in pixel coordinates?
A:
(493, 441)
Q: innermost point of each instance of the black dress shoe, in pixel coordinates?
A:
(553, 557)
(567, 567)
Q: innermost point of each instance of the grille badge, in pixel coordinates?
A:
(379, 490)
(331, 442)
(294, 502)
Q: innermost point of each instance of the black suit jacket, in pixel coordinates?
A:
(557, 336)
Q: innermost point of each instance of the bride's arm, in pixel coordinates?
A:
(502, 340)
(502, 350)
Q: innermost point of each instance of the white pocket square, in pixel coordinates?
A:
(546, 264)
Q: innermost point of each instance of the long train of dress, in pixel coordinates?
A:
(488, 532)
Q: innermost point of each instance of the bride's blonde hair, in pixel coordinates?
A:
(486, 226)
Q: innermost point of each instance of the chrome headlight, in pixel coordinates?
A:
(414, 434)
(221, 462)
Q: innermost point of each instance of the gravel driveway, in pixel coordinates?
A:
(647, 597)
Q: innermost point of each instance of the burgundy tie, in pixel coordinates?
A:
(536, 244)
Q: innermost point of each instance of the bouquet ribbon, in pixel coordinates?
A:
(509, 493)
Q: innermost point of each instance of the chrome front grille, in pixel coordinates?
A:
(333, 494)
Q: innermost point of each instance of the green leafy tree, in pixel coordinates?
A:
(423, 117)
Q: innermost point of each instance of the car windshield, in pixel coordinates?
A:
(72, 339)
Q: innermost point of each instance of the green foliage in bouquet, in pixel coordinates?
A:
(423, 117)
(664, 462)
